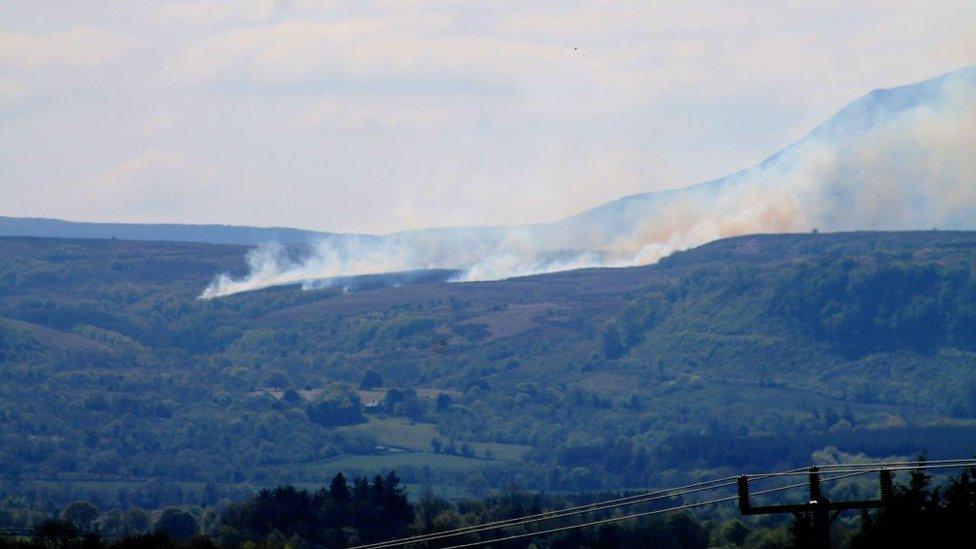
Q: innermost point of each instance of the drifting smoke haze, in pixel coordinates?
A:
(903, 158)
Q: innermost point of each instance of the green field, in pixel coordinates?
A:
(403, 433)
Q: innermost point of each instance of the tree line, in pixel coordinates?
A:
(921, 513)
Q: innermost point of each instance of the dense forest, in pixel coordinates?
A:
(920, 513)
(119, 386)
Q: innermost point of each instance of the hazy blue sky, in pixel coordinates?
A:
(381, 115)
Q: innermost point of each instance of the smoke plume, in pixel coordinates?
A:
(903, 158)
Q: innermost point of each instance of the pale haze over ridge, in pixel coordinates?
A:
(381, 116)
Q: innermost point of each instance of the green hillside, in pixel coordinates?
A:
(748, 353)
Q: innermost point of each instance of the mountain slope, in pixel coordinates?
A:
(894, 159)
(746, 353)
(869, 124)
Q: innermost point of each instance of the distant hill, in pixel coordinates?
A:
(215, 234)
(750, 353)
(821, 176)
(895, 159)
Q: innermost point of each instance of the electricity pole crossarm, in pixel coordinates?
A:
(818, 506)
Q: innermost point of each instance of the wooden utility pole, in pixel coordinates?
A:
(818, 508)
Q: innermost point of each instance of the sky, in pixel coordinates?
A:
(378, 116)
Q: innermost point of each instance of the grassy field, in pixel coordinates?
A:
(397, 432)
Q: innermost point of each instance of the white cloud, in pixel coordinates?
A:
(80, 46)
(11, 90)
(153, 184)
(157, 122)
(299, 50)
(375, 114)
(122, 175)
(202, 12)
(357, 113)
(292, 48)
(627, 56)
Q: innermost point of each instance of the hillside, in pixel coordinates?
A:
(886, 161)
(823, 177)
(747, 353)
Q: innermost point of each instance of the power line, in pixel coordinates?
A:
(895, 463)
(821, 511)
(620, 502)
(841, 471)
(569, 511)
(638, 515)
(561, 513)
(596, 522)
(921, 466)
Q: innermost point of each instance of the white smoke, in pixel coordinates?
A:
(896, 159)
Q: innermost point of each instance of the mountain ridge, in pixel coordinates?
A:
(894, 159)
(871, 107)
